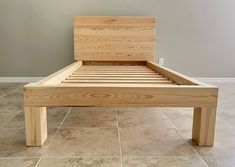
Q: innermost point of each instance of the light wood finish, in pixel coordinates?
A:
(116, 69)
(116, 74)
(121, 95)
(173, 75)
(56, 77)
(204, 125)
(35, 125)
(114, 38)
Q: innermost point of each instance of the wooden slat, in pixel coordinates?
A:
(113, 70)
(115, 73)
(114, 63)
(116, 81)
(114, 38)
(173, 75)
(59, 76)
(113, 78)
(121, 67)
(118, 85)
(119, 75)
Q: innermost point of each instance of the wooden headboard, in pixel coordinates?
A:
(114, 38)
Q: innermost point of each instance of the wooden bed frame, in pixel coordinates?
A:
(115, 67)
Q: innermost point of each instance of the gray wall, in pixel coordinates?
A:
(195, 37)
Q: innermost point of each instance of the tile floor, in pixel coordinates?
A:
(115, 137)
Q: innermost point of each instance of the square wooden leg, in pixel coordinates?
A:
(204, 125)
(35, 125)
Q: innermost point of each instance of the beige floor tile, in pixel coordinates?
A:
(6, 88)
(91, 117)
(18, 93)
(182, 118)
(147, 117)
(140, 135)
(11, 104)
(164, 161)
(16, 122)
(84, 142)
(220, 161)
(81, 162)
(55, 116)
(154, 142)
(224, 141)
(12, 144)
(18, 162)
(6, 116)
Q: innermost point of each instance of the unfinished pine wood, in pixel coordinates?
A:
(35, 125)
(114, 78)
(173, 75)
(114, 38)
(117, 69)
(96, 75)
(116, 75)
(121, 95)
(110, 67)
(60, 75)
(116, 81)
(114, 63)
(204, 125)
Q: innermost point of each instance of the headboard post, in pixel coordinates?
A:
(114, 38)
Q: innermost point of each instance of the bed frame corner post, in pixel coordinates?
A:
(204, 119)
(35, 125)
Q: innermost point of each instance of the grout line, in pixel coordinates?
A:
(4, 95)
(53, 136)
(164, 110)
(12, 128)
(2, 126)
(119, 137)
(88, 127)
(92, 156)
(18, 157)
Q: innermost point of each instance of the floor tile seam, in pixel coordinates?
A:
(134, 128)
(95, 156)
(11, 118)
(69, 110)
(95, 127)
(4, 95)
(164, 110)
(119, 138)
(19, 157)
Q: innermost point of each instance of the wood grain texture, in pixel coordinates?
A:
(173, 75)
(35, 125)
(128, 95)
(204, 125)
(122, 74)
(114, 38)
(116, 68)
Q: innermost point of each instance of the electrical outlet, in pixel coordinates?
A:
(161, 61)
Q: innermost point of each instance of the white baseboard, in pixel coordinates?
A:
(18, 79)
(216, 80)
(33, 79)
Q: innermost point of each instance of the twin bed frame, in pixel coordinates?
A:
(115, 67)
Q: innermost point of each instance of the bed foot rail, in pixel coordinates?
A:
(35, 125)
(204, 125)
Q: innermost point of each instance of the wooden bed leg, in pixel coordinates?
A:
(35, 125)
(204, 125)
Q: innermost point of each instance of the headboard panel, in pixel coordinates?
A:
(114, 38)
